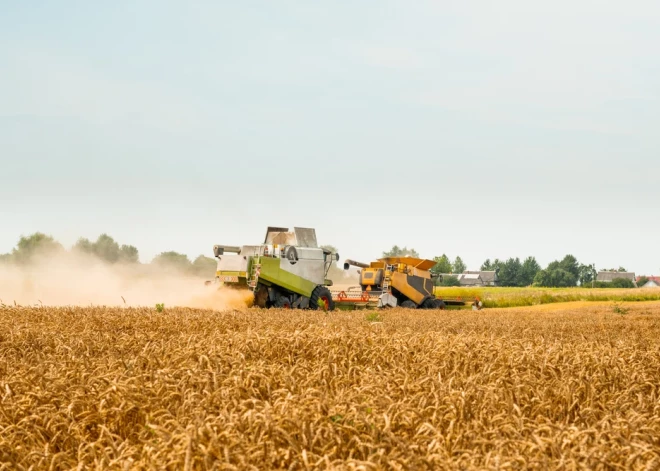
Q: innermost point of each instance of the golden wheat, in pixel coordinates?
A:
(531, 296)
(115, 388)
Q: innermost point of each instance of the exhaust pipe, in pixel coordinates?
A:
(348, 263)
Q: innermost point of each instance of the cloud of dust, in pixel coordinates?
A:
(343, 279)
(79, 279)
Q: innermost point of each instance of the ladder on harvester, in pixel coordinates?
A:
(386, 279)
(255, 270)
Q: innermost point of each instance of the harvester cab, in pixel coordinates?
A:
(287, 270)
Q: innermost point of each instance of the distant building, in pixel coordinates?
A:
(608, 276)
(470, 279)
(478, 278)
(653, 282)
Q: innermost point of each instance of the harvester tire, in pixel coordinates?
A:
(438, 304)
(261, 296)
(430, 303)
(282, 302)
(321, 296)
(408, 304)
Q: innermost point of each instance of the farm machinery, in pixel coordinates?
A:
(397, 281)
(289, 270)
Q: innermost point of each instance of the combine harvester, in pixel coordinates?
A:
(395, 281)
(289, 270)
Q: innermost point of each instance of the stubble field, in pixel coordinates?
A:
(564, 386)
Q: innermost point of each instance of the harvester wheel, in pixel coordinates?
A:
(261, 296)
(408, 304)
(430, 303)
(438, 304)
(282, 302)
(321, 298)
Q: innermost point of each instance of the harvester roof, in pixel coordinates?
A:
(419, 263)
(301, 236)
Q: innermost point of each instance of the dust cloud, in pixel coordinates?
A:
(83, 280)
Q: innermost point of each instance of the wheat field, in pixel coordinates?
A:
(500, 296)
(564, 387)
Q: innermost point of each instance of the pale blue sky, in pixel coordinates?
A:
(480, 129)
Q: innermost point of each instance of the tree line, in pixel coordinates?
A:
(30, 249)
(566, 272)
(511, 272)
(514, 272)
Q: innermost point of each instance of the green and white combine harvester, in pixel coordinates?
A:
(289, 270)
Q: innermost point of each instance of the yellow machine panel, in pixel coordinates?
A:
(418, 263)
(420, 273)
(371, 276)
(414, 288)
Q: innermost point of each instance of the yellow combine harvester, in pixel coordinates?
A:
(397, 281)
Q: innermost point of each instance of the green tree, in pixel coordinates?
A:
(618, 270)
(442, 265)
(542, 278)
(84, 246)
(172, 261)
(128, 254)
(571, 265)
(459, 266)
(555, 277)
(396, 251)
(204, 266)
(587, 274)
(559, 274)
(642, 280)
(529, 269)
(107, 249)
(496, 265)
(450, 281)
(36, 245)
(5, 258)
(510, 273)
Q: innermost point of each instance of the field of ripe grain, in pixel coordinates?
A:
(531, 296)
(574, 387)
